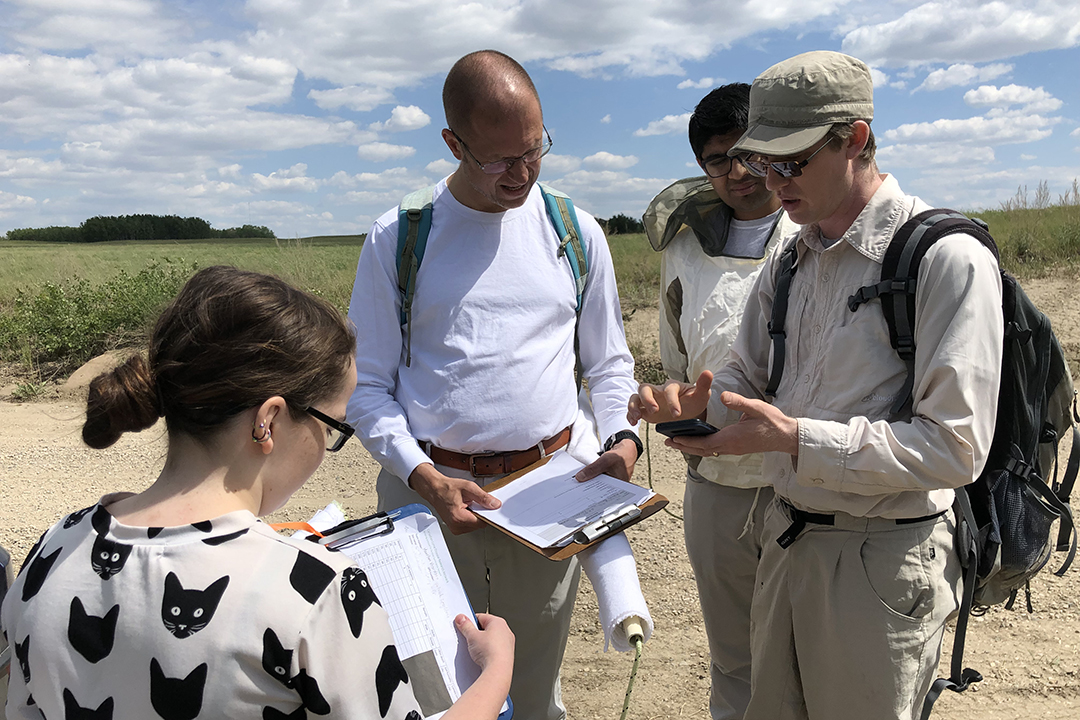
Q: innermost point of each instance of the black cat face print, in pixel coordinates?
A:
(91, 636)
(300, 713)
(309, 577)
(74, 711)
(276, 660)
(37, 572)
(388, 676)
(74, 518)
(108, 557)
(185, 612)
(22, 652)
(177, 698)
(309, 691)
(356, 597)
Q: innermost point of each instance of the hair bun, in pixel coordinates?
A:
(124, 399)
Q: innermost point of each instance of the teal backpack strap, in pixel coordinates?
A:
(414, 225)
(563, 216)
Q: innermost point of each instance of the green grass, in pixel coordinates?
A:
(59, 303)
(1034, 241)
(324, 264)
(637, 271)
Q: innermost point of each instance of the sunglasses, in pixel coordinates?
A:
(337, 432)
(784, 168)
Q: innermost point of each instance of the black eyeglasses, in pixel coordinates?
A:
(718, 167)
(783, 168)
(337, 432)
(498, 167)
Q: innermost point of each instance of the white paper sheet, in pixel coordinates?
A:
(414, 578)
(547, 505)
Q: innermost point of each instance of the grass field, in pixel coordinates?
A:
(60, 303)
(324, 263)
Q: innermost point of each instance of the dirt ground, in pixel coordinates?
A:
(1031, 662)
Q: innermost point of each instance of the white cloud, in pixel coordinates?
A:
(402, 119)
(353, 97)
(1034, 100)
(702, 84)
(668, 124)
(607, 161)
(1075, 133)
(606, 119)
(120, 27)
(980, 130)
(444, 167)
(1025, 156)
(381, 152)
(11, 201)
(963, 74)
(934, 155)
(293, 178)
(560, 163)
(230, 171)
(970, 31)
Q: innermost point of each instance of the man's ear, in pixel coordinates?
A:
(262, 428)
(453, 144)
(859, 137)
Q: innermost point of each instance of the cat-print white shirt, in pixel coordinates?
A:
(223, 618)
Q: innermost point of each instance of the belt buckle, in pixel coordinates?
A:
(475, 472)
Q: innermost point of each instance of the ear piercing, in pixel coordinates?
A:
(263, 436)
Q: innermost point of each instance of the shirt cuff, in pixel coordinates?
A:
(406, 457)
(822, 454)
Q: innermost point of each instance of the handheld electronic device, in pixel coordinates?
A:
(693, 426)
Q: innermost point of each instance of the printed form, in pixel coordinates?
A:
(546, 506)
(413, 576)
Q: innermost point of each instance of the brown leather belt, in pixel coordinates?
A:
(490, 464)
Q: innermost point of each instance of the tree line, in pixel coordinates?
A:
(137, 227)
(621, 225)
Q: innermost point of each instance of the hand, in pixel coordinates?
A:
(489, 647)
(617, 462)
(762, 428)
(670, 401)
(450, 497)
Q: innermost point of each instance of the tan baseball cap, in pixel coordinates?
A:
(795, 102)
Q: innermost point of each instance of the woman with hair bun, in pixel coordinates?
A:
(177, 602)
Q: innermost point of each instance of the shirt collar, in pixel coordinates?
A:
(875, 226)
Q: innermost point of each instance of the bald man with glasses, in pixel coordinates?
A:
(480, 380)
(858, 572)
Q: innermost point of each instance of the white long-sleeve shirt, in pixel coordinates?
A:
(493, 318)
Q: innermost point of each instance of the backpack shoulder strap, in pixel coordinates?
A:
(414, 225)
(899, 278)
(560, 209)
(789, 265)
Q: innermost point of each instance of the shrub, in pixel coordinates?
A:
(67, 324)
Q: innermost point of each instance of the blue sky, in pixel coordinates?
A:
(315, 117)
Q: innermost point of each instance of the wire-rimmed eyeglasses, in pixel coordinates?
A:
(337, 432)
(498, 167)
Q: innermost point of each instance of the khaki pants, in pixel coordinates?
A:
(533, 594)
(847, 621)
(725, 561)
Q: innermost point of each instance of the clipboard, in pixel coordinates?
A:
(650, 507)
(409, 567)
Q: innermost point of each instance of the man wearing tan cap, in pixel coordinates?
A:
(853, 595)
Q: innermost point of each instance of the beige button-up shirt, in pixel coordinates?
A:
(841, 375)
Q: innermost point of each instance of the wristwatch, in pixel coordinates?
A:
(624, 435)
